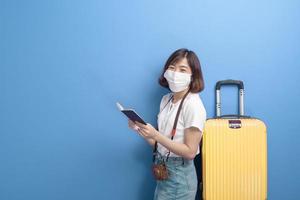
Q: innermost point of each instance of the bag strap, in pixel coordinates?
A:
(173, 132)
(155, 145)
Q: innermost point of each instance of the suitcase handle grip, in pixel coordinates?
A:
(233, 116)
(240, 85)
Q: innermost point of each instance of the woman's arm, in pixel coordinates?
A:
(188, 149)
(150, 141)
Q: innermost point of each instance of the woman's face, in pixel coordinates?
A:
(181, 66)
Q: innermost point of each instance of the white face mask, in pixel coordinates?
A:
(177, 81)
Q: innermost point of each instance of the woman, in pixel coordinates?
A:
(182, 75)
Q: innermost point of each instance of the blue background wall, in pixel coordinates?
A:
(64, 64)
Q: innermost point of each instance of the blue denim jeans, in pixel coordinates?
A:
(182, 181)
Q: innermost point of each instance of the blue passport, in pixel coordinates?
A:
(131, 114)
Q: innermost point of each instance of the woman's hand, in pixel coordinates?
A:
(147, 131)
(132, 125)
(136, 128)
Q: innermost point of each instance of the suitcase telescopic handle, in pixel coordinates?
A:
(240, 85)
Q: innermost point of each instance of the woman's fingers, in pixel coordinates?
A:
(143, 132)
(140, 132)
(140, 124)
(132, 125)
(139, 127)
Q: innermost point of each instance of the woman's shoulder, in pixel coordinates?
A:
(194, 97)
(194, 101)
(166, 97)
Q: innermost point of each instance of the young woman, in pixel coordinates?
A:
(182, 75)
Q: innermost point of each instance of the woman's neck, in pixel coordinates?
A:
(179, 95)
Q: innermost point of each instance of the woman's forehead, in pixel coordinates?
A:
(181, 62)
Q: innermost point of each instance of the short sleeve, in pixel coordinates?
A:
(194, 114)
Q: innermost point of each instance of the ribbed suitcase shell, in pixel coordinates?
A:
(234, 160)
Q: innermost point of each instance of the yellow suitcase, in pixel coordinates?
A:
(234, 153)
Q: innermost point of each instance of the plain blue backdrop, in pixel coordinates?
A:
(64, 64)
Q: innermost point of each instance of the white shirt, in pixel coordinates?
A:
(192, 114)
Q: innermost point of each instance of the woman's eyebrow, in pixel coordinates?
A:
(184, 66)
